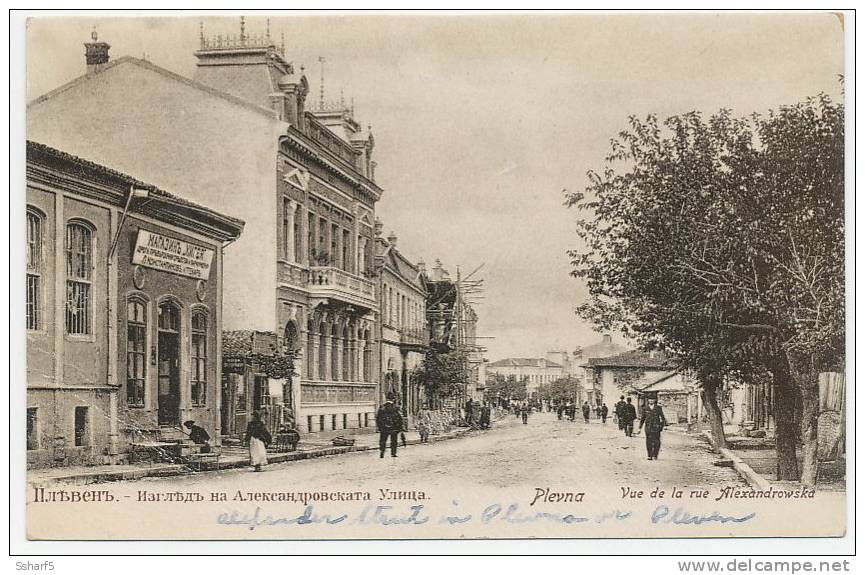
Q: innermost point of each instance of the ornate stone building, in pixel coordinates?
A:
(404, 336)
(240, 137)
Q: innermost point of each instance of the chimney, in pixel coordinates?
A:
(421, 267)
(391, 239)
(95, 53)
(607, 338)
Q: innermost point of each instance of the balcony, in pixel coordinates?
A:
(332, 283)
(414, 337)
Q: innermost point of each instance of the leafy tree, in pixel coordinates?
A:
(443, 373)
(721, 241)
(506, 386)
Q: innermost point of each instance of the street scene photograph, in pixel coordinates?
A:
(456, 275)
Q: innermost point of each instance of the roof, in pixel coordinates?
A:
(230, 226)
(399, 265)
(631, 359)
(523, 362)
(604, 348)
(159, 70)
(669, 382)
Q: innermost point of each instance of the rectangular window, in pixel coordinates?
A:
(334, 245)
(34, 270)
(198, 367)
(333, 421)
(286, 206)
(81, 427)
(240, 406)
(321, 423)
(310, 236)
(32, 429)
(346, 247)
(79, 273)
(345, 421)
(298, 235)
(366, 420)
(136, 352)
(309, 424)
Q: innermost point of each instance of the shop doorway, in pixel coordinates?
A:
(169, 365)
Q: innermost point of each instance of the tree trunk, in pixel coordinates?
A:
(786, 431)
(709, 395)
(810, 412)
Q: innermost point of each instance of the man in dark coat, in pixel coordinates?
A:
(586, 411)
(629, 414)
(389, 422)
(198, 435)
(654, 420)
(619, 410)
(604, 411)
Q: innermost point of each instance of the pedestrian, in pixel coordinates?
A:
(524, 413)
(423, 425)
(198, 435)
(572, 411)
(604, 412)
(630, 414)
(485, 416)
(620, 411)
(470, 416)
(586, 411)
(388, 421)
(654, 420)
(257, 438)
(559, 409)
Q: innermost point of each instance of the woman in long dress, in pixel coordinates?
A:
(258, 438)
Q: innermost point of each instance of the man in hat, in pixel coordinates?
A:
(629, 414)
(389, 422)
(654, 420)
(619, 410)
(198, 435)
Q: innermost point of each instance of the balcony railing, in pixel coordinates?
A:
(409, 336)
(331, 282)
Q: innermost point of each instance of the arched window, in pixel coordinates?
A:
(198, 360)
(35, 222)
(346, 374)
(79, 278)
(334, 352)
(322, 350)
(136, 351)
(310, 349)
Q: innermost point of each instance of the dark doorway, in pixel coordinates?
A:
(169, 365)
(261, 393)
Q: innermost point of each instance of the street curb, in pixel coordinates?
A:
(172, 470)
(745, 471)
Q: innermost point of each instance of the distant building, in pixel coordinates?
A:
(536, 371)
(611, 377)
(606, 347)
(124, 312)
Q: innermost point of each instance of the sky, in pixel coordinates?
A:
(482, 120)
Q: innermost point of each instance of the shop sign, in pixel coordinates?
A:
(171, 255)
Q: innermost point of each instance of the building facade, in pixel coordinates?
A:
(302, 180)
(123, 306)
(403, 331)
(536, 371)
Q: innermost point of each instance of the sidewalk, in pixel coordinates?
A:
(756, 461)
(317, 445)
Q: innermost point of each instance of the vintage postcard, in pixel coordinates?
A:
(370, 276)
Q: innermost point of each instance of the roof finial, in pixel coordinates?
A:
(201, 33)
(282, 43)
(268, 30)
(321, 89)
(93, 34)
(341, 99)
(242, 30)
